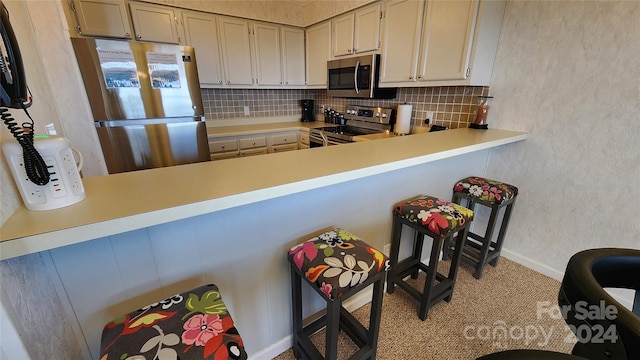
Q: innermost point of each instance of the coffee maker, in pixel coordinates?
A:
(308, 110)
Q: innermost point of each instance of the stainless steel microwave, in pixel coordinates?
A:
(357, 77)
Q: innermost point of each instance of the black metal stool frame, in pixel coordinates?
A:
(484, 250)
(335, 319)
(412, 265)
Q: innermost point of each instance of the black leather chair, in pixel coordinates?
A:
(605, 329)
(601, 334)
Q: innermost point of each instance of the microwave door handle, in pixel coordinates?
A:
(355, 77)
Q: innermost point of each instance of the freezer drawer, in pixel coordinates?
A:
(129, 147)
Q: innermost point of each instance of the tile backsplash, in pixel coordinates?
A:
(453, 106)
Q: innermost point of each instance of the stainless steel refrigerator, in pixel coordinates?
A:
(146, 102)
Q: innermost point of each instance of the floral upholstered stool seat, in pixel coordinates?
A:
(482, 249)
(440, 220)
(337, 265)
(191, 325)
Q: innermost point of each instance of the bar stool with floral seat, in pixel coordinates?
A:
(480, 250)
(337, 265)
(440, 220)
(191, 325)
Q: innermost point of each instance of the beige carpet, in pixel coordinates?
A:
(511, 307)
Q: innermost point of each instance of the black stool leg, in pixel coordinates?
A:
(486, 243)
(375, 316)
(501, 234)
(460, 240)
(296, 304)
(393, 256)
(333, 326)
(418, 242)
(432, 270)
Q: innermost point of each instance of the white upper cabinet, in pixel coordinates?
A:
(201, 32)
(293, 56)
(154, 23)
(401, 40)
(357, 31)
(446, 39)
(454, 42)
(236, 50)
(318, 50)
(106, 18)
(267, 54)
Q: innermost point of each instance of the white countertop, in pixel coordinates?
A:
(128, 201)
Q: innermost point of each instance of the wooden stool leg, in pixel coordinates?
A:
(432, 270)
(393, 256)
(501, 234)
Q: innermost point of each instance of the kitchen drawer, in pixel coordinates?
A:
(283, 148)
(224, 155)
(223, 145)
(253, 142)
(282, 139)
(255, 151)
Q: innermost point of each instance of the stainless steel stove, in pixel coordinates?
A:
(358, 120)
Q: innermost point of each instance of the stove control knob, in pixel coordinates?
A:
(384, 116)
(377, 114)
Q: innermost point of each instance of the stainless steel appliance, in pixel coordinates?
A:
(357, 77)
(146, 102)
(358, 120)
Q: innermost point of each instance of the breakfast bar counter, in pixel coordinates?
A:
(142, 236)
(128, 201)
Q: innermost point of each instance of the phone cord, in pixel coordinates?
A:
(34, 164)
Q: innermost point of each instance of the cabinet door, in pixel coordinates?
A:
(366, 36)
(401, 40)
(446, 39)
(236, 50)
(267, 51)
(342, 34)
(318, 49)
(292, 56)
(102, 18)
(154, 23)
(201, 32)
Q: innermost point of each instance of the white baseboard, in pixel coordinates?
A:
(532, 264)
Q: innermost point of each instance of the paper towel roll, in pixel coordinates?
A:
(403, 120)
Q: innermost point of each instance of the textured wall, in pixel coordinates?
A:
(567, 73)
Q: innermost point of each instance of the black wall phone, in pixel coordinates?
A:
(15, 94)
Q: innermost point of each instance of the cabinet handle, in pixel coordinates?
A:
(228, 82)
(410, 77)
(355, 50)
(220, 82)
(127, 35)
(138, 36)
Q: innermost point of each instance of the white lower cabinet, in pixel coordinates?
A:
(223, 148)
(254, 145)
(304, 139)
(283, 142)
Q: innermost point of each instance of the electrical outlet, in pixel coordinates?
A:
(429, 119)
(246, 110)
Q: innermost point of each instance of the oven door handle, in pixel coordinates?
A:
(355, 77)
